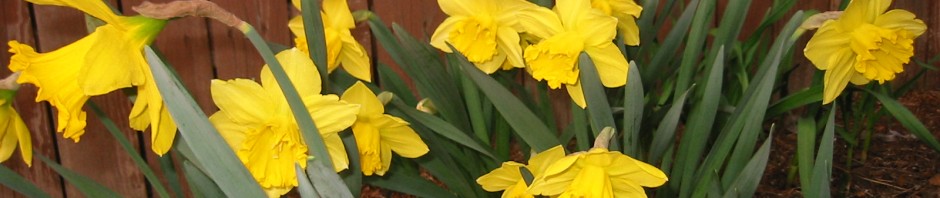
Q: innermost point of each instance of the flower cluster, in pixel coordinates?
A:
(258, 124)
(595, 173)
(864, 44)
(488, 34)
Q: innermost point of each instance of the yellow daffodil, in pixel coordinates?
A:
(864, 44)
(485, 31)
(572, 28)
(108, 59)
(508, 177)
(626, 12)
(597, 173)
(378, 134)
(258, 124)
(342, 48)
(13, 131)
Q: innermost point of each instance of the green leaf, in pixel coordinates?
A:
(753, 107)
(169, 171)
(525, 123)
(442, 128)
(353, 175)
(595, 95)
(316, 37)
(822, 170)
(325, 180)
(746, 183)
(665, 134)
(699, 126)
(205, 142)
(199, 182)
(693, 48)
(17, 183)
(304, 187)
(802, 98)
(126, 146)
(670, 44)
(412, 184)
(907, 119)
(806, 144)
(392, 82)
(86, 185)
(633, 107)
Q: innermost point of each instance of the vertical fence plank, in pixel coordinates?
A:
(932, 80)
(234, 57)
(16, 24)
(802, 75)
(97, 155)
(921, 51)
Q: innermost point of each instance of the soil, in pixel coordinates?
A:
(897, 163)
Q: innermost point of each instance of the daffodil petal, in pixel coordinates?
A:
(540, 22)
(330, 114)
(7, 138)
(386, 157)
(629, 30)
(358, 93)
(242, 100)
(508, 43)
(836, 78)
(23, 139)
(334, 145)
(541, 161)
(577, 94)
(821, 48)
(113, 64)
(556, 177)
(401, 138)
(354, 58)
(610, 63)
(460, 7)
(493, 64)
(95, 8)
(233, 133)
(163, 132)
(863, 11)
(571, 12)
(901, 19)
(624, 187)
(637, 171)
(507, 175)
(300, 70)
(338, 14)
(442, 33)
(597, 29)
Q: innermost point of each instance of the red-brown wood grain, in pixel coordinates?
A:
(16, 23)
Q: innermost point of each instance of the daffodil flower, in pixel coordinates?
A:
(378, 134)
(508, 177)
(864, 44)
(108, 59)
(485, 31)
(572, 28)
(13, 131)
(626, 12)
(256, 121)
(597, 173)
(341, 47)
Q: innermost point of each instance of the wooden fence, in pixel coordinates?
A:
(202, 50)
